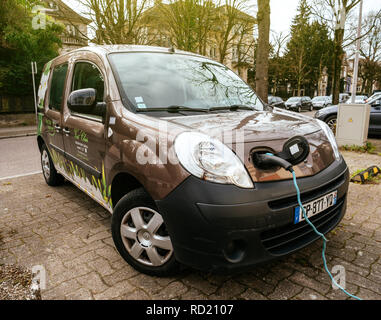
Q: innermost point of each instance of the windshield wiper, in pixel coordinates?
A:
(173, 109)
(233, 107)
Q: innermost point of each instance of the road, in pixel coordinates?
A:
(19, 156)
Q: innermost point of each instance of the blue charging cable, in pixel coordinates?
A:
(321, 235)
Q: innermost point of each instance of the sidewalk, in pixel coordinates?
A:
(18, 132)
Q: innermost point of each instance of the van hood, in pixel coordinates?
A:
(278, 124)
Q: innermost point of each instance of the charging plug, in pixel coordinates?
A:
(270, 160)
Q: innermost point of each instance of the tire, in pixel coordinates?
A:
(52, 177)
(145, 244)
(311, 108)
(331, 122)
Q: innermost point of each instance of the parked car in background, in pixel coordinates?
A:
(343, 97)
(374, 96)
(329, 116)
(299, 104)
(358, 99)
(276, 102)
(321, 102)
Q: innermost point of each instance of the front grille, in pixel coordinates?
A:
(292, 201)
(286, 239)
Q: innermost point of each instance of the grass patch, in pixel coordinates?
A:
(367, 148)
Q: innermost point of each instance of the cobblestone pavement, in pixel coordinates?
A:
(69, 234)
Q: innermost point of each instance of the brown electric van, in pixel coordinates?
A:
(176, 147)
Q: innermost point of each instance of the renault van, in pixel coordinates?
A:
(167, 142)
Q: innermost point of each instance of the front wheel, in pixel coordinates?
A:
(140, 235)
(311, 107)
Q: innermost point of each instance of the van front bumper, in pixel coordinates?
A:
(214, 226)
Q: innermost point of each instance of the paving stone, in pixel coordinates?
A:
(250, 294)
(285, 290)
(93, 282)
(123, 274)
(121, 288)
(309, 294)
(228, 290)
(194, 294)
(301, 279)
(173, 290)
(196, 281)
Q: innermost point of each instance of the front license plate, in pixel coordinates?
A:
(316, 206)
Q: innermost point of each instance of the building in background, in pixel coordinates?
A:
(76, 26)
(240, 51)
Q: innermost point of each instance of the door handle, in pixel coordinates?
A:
(66, 131)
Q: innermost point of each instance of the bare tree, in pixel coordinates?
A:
(278, 43)
(231, 25)
(335, 13)
(262, 65)
(188, 23)
(370, 51)
(116, 21)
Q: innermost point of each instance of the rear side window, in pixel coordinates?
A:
(87, 75)
(56, 87)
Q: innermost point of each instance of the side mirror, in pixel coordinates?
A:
(84, 101)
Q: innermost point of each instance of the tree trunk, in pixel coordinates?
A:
(262, 67)
(338, 55)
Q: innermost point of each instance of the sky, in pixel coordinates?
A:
(282, 11)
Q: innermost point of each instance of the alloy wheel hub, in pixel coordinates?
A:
(145, 237)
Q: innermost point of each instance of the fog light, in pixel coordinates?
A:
(235, 251)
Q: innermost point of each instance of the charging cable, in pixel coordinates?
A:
(270, 158)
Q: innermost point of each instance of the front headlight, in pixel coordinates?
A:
(209, 159)
(331, 137)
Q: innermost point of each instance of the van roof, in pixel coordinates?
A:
(106, 49)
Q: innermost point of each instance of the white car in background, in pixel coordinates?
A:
(373, 97)
(321, 102)
(358, 100)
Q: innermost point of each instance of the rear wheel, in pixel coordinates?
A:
(140, 235)
(52, 177)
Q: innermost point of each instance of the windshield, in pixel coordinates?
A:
(294, 99)
(160, 80)
(319, 99)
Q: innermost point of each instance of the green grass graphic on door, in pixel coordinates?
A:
(74, 171)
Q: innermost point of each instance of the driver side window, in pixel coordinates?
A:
(86, 75)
